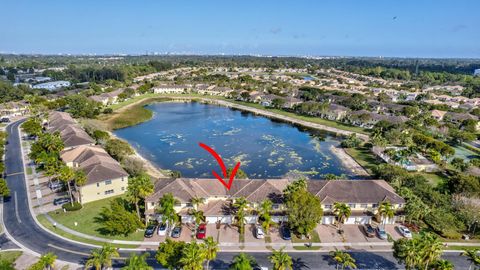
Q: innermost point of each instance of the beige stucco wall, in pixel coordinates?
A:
(92, 192)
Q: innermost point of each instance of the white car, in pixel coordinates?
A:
(162, 228)
(404, 231)
(259, 232)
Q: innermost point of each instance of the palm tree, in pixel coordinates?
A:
(348, 261)
(95, 260)
(443, 265)
(211, 249)
(139, 188)
(100, 258)
(240, 205)
(342, 211)
(281, 260)
(136, 262)
(472, 256)
(167, 208)
(337, 256)
(385, 210)
(198, 216)
(196, 202)
(265, 209)
(193, 256)
(66, 174)
(432, 249)
(48, 260)
(242, 262)
(342, 258)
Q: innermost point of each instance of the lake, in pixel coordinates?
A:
(266, 148)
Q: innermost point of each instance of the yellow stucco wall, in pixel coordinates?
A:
(93, 192)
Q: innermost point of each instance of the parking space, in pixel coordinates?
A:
(355, 233)
(276, 236)
(328, 234)
(250, 234)
(228, 234)
(393, 231)
(212, 231)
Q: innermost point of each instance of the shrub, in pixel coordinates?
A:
(68, 206)
(108, 110)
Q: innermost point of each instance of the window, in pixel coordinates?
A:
(108, 182)
(98, 184)
(363, 205)
(276, 206)
(123, 188)
(375, 205)
(328, 206)
(152, 204)
(352, 205)
(110, 191)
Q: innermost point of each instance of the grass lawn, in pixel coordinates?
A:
(434, 178)
(306, 248)
(29, 170)
(10, 256)
(44, 221)
(87, 224)
(364, 157)
(315, 238)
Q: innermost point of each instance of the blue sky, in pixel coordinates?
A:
(407, 28)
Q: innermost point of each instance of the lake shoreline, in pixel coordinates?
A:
(134, 138)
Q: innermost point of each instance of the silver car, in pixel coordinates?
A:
(382, 234)
(404, 231)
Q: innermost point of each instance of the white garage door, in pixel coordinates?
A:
(328, 220)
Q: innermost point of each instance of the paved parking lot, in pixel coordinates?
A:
(250, 236)
(328, 234)
(393, 231)
(276, 237)
(228, 234)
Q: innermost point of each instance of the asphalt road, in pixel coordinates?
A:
(21, 226)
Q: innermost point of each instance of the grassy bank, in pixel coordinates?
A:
(132, 115)
(87, 223)
(364, 157)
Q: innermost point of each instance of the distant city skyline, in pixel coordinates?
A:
(427, 29)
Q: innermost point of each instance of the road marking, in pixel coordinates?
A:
(17, 173)
(16, 208)
(68, 250)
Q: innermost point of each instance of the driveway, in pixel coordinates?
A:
(276, 237)
(393, 231)
(250, 236)
(328, 234)
(228, 234)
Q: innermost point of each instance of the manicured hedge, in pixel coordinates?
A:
(68, 206)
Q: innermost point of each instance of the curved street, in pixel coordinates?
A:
(23, 230)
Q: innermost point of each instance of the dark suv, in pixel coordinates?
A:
(369, 230)
(149, 231)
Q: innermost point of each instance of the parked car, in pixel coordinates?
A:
(55, 185)
(176, 232)
(404, 231)
(4, 120)
(259, 232)
(382, 234)
(162, 228)
(149, 231)
(202, 231)
(369, 230)
(285, 233)
(60, 201)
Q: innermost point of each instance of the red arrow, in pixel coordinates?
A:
(222, 166)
